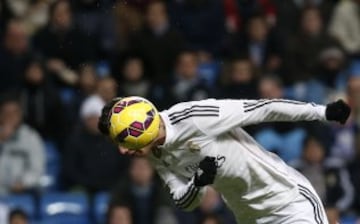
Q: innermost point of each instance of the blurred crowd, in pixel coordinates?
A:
(62, 60)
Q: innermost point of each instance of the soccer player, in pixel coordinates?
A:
(200, 143)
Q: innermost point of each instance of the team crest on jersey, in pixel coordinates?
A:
(193, 147)
(219, 160)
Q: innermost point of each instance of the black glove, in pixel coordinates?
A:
(206, 172)
(337, 111)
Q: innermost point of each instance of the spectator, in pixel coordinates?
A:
(132, 80)
(86, 86)
(34, 13)
(18, 216)
(14, 55)
(331, 69)
(328, 176)
(91, 162)
(213, 206)
(289, 12)
(239, 80)
(187, 84)
(129, 19)
(208, 68)
(87, 81)
(262, 47)
(144, 195)
(107, 88)
(353, 91)
(158, 43)
(304, 50)
(41, 103)
(343, 142)
(22, 159)
(277, 137)
(119, 214)
(62, 44)
(329, 78)
(345, 25)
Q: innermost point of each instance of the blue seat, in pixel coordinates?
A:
(100, 206)
(349, 219)
(69, 208)
(49, 180)
(24, 202)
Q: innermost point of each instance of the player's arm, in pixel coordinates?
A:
(233, 113)
(187, 193)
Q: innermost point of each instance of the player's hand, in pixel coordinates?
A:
(338, 111)
(206, 172)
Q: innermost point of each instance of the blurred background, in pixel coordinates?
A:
(62, 60)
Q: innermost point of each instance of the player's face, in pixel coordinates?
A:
(147, 149)
(140, 152)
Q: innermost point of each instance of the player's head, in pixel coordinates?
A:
(18, 216)
(131, 122)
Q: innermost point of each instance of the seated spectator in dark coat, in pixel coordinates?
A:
(328, 176)
(62, 44)
(22, 157)
(91, 162)
(262, 46)
(159, 44)
(146, 198)
(239, 80)
(107, 88)
(329, 78)
(86, 86)
(132, 80)
(41, 103)
(14, 55)
(18, 216)
(186, 83)
(304, 49)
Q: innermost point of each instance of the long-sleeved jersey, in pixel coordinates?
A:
(252, 181)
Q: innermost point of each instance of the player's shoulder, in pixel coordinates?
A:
(189, 105)
(181, 112)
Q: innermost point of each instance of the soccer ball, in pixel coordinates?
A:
(134, 122)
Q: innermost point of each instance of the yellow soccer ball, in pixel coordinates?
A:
(134, 122)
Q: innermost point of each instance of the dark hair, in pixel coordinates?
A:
(104, 120)
(18, 213)
(116, 204)
(312, 137)
(9, 97)
(54, 6)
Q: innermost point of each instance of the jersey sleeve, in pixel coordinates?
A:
(233, 113)
(184, 193)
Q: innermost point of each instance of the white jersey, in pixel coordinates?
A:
(253, 182)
